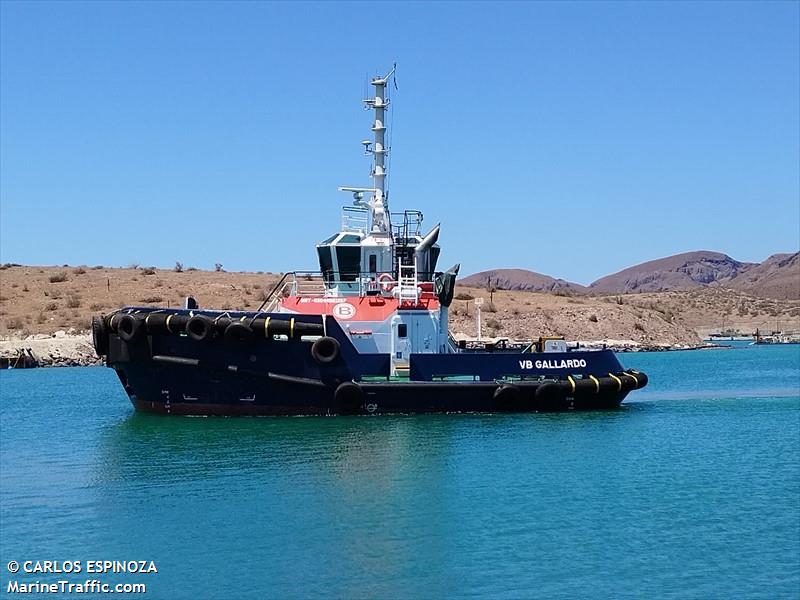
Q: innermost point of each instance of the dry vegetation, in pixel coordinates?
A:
(48, 299)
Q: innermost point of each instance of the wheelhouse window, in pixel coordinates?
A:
(325, 262)
(349, 259)
(373, 263)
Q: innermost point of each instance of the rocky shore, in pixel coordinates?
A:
(61, 349)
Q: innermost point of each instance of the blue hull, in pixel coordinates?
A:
(166, 371)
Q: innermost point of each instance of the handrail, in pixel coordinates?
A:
(274, 289)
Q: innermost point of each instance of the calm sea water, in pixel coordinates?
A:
(692, 489)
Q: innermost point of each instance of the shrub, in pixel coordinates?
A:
(96, 307)
(638, 327)
(73, 301)
(79, 270)
(51, 306)
(490, 307)
(494, 324)
(149, 271)
(98, 267)
(593, 318)
(619, 300)
(59, 277)
(192, 269)
(15, 323)
(178, 267)
(40, 318)
(464, 296)
(218, 267)
(151, 299)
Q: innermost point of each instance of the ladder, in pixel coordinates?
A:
(407, 284)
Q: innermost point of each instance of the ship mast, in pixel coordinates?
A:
(377, 203)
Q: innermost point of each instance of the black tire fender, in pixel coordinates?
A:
(349, 398)
(129, 328)
(506, 397)
(549, 392)
(100, 336)
(325, 350)
(200, 328)
(238, 332)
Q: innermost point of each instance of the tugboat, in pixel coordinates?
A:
(366, 334)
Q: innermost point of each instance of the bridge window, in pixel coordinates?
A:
(349, 262)
(373, 263)
(325, 262)
(402, 330)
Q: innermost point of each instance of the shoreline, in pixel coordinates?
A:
(74, 349)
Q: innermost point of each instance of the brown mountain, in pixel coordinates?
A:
(777, 277)
(679, 272)
(521, 279)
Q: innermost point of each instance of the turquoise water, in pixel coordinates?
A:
(692, 489)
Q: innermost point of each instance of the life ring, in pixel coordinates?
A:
(238, 332)
(129, 328)
(386, 281)
(325, 350)
(100, 336)
(349, 398)
(200, 328)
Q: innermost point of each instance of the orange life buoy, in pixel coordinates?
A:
(386, 282)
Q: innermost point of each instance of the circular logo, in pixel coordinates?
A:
(344, 311)
(13, 566)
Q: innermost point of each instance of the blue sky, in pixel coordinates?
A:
(573, 139)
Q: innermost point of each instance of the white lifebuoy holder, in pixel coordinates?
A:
(386, 281)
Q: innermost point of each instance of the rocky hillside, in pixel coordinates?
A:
(520, 279)
(777, 277)
(679, 272)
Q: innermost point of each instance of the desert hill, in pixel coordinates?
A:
(777, 277)
(44, 300)
(679, 272)
(520, 279)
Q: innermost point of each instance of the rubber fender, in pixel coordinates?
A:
(641, 378)
(220, 324)
(506, 397)
(325, 350)
(165, 323)
(608, 384)
(200, 328)
(349, 397)
(129, 328)
(549, 392)
(587, 386)
(238, 332)
(100, 336)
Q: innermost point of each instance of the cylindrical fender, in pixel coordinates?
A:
(200, 328)
(549, 392)
(587, 386)
(637, 378)
(506, 397)
(100, 336)
(129, 328)
(349, 398)
(325, 350)
(165, 323)
(238, 332)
